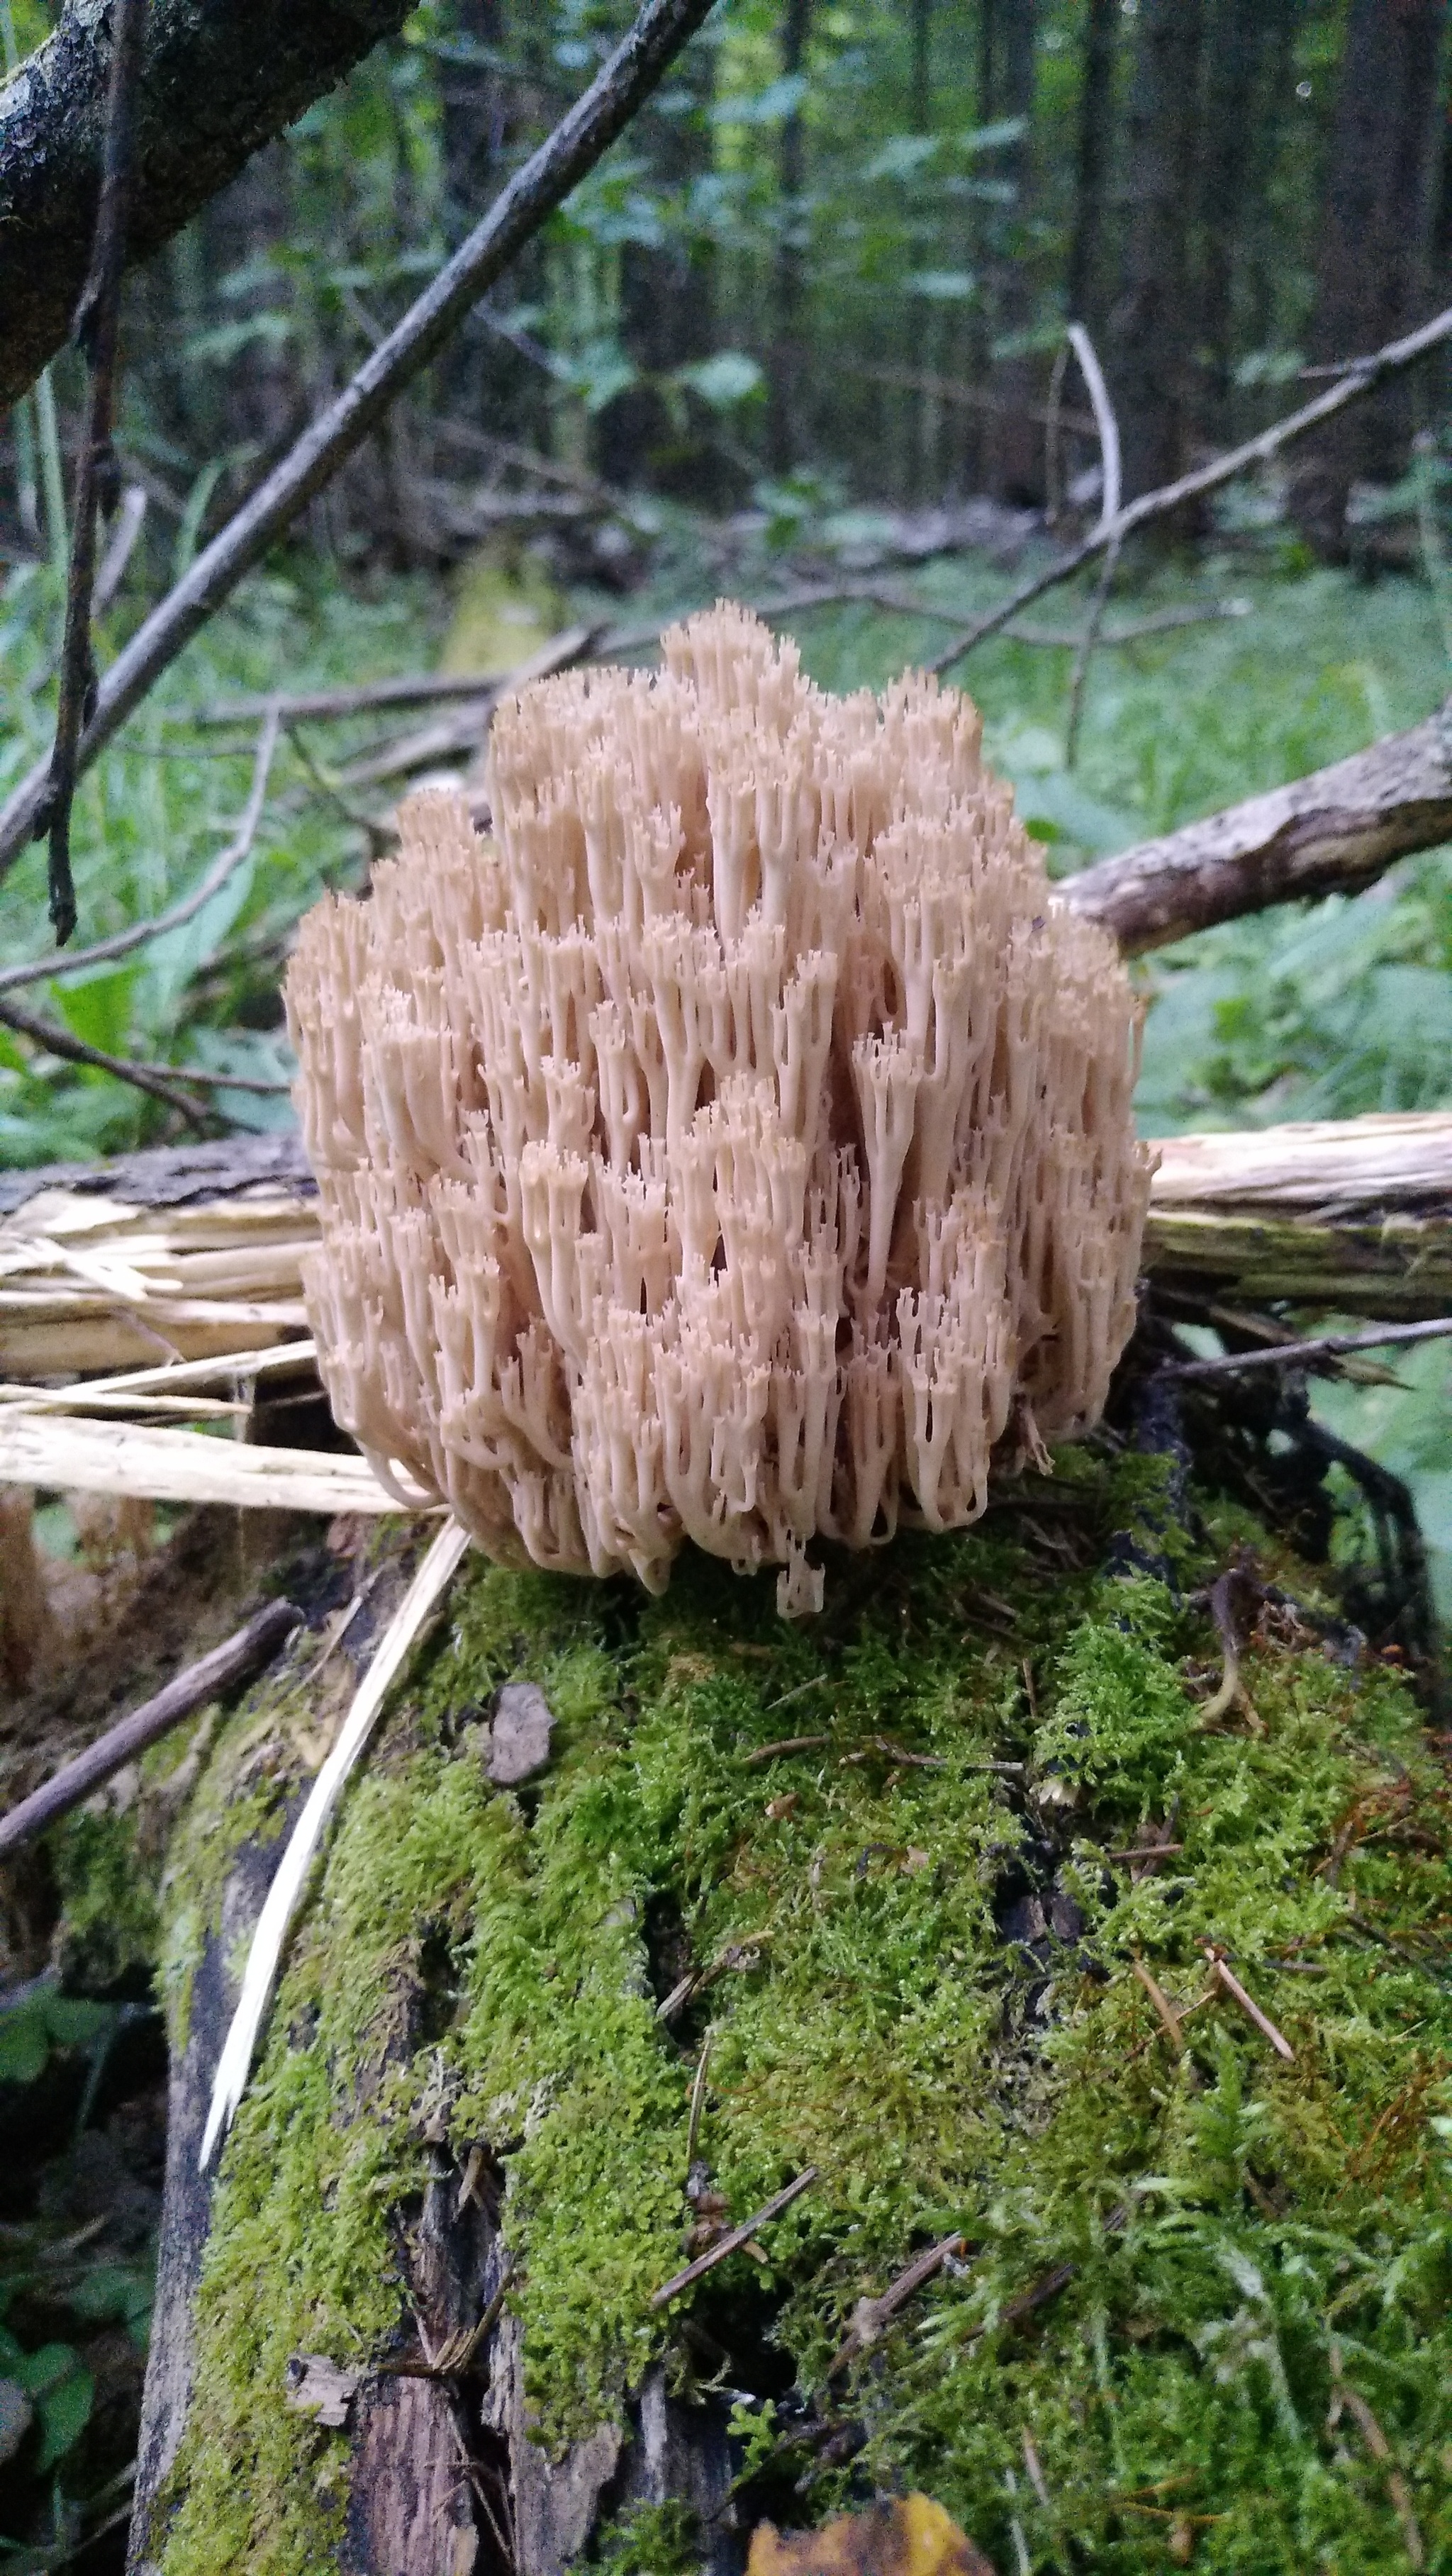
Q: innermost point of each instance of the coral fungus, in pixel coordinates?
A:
(737, 1145)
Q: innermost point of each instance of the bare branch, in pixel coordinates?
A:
(1362, 379)
(45, 969)
(157, 1080)
(1105, 422)
(97, 327)
(235, 1661)
(627, 78)
(1300, 1355)
(1333, 832)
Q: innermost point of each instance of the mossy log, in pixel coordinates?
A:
(923, 1897)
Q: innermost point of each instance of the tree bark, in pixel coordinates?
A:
(1333, 832)
(1153, 335)
(786, 353)
(1232, 187)
(1084, 285)
(220, 78)
(1012, 441)
(1376, 217)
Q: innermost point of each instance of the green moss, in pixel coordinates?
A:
(1240, 2229)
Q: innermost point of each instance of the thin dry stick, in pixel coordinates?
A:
(733, 2241)
(1053, 416)
(1084, 653)
(1224, 1976)
(584, 134)
(172, 1374)
(265, 1957)
(1111, 496)
(1169, 2018)
(1381, 2451)
(870, 2316)
(1364, 379)
(1105, 422)
(117, 556)
(97, 328)
(787, 1744)
(121, 942)
(158, 1080)
(698, 2100)
(1230, 1688)
(1326, 1346)
(238, 1659)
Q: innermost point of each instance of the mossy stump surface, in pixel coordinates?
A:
(876, 1869)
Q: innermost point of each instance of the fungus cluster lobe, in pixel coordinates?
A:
(737, 1145)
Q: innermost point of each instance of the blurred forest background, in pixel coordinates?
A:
(803, 329)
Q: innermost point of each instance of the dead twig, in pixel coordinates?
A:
(1359, 381)
(698, 2100)
(130, 516)
(871, 2317)
(1169, 2018)
(1304, 1354)
(1232, 1691)
(733, 2241)
(159, 1081)
(787, 1744)
(631, 72)
(1224, 1976)
(236, 1660)
(97, 327)
(1350, 2400)
(43, 969)
(737, 1958)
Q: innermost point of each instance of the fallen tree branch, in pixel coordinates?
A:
(1361, 379)
(578, 142)
(64, 1454)
(236, 1660)
(198, 1248)
(216, 83)
(46, 969)
(1331, 833)
(1300, 1355)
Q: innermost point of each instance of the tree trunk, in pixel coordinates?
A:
(1013, 441)
(648, 435)
(1231, 190)
(787, 428)
(1084, 289)
(1153, 337)
(217, 82)
(1371, 273)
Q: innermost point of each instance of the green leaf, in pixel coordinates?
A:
(97, 1008)
(728, 378)
(902, 156)
(941, 285)
(771, 106)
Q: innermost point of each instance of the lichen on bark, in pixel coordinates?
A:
(927, 1990)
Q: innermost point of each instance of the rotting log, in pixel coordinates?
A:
(196, 1250)
(220, 78)
(916, 1933)
(1330, 833)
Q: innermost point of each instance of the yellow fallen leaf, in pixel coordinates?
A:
(912, 2536)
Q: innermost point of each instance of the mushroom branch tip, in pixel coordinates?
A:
(737, 1145)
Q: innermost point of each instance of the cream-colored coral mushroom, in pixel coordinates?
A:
(737, 1146)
